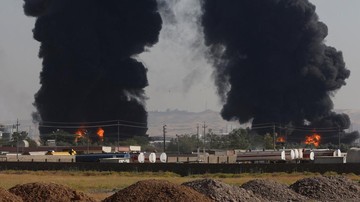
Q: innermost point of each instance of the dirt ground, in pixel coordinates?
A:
(318, 188)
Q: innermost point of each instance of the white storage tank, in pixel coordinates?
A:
(23, 143)
(146, 157)
(258, 155)
(290, 154)
(353, 155)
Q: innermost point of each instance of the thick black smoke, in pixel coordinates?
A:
(89, 73)
(272, 66)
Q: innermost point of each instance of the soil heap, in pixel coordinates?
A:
(220, 191)
(6, 196)
(272, 191)
(37, 191)
(333, 188)
(156, 190)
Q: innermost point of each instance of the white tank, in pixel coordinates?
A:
(23, 143)
(296, 151)
(162, 157)
(152, 157)
(260, 155)
(353, 155)
(289, 154)
(308, 155)
(141, 158)
(301, 153)
(337, 153)
(146, 157)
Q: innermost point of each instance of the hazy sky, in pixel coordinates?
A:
(179, 76)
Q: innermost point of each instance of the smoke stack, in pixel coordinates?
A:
(89, 71)
(272, 66)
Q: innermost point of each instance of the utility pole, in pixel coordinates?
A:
(118, 134)
(17, 125)
(286, 136)
(178, 147)
(164, 133)
(197, 136)
(17, 139)
(339, 136)
(204, 127)
(274, 135)
(88, 140)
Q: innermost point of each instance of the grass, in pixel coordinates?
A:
(102, 184)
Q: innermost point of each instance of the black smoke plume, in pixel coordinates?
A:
(89, 72)
(272, 66)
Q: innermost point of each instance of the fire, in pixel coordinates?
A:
(80, 133)
(313, 139)
(280, 139)
(100, 133)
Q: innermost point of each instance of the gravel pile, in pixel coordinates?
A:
(157, 190)
(220, 191)
(273, 191)
(38, 192)
(328, 188)
(6, 196)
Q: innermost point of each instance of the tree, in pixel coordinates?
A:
(136, 140)
(17, 137)
(183, 143)
(239, 139)
(268, 141)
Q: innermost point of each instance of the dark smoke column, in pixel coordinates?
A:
(272, 66)
(89, 71)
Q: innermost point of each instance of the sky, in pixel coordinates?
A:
(178, 73)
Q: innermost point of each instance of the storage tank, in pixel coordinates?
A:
(289, 154)
(161, 157)
(327, 152)
(259, 155)
(146, 157)
(353, 155)
(97, 157)
(308, 155)
(297, 155)
(23, 143)
(301, 153)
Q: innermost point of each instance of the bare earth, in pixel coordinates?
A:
(332, 188)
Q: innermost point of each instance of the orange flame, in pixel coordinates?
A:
(280, 139)
(313, 139)
(80, 133)
(100, 133)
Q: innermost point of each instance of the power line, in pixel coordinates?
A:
(94, 122)
(92, 126)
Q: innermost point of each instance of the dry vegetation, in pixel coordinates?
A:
(100, 185)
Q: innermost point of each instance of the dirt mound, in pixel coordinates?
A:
(220, 191)
(328, 188)
(31, 192)
(272, 190)
(6, 196)
(156, 190)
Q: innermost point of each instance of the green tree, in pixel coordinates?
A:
(268, 141)
(17, 137)
(239, 139)
(32, 143)
(142, 141)
(63, 138)
(183, 144)
(3, 142)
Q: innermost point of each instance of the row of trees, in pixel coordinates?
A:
(17, 137)
(237, 139)
(243, 139)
